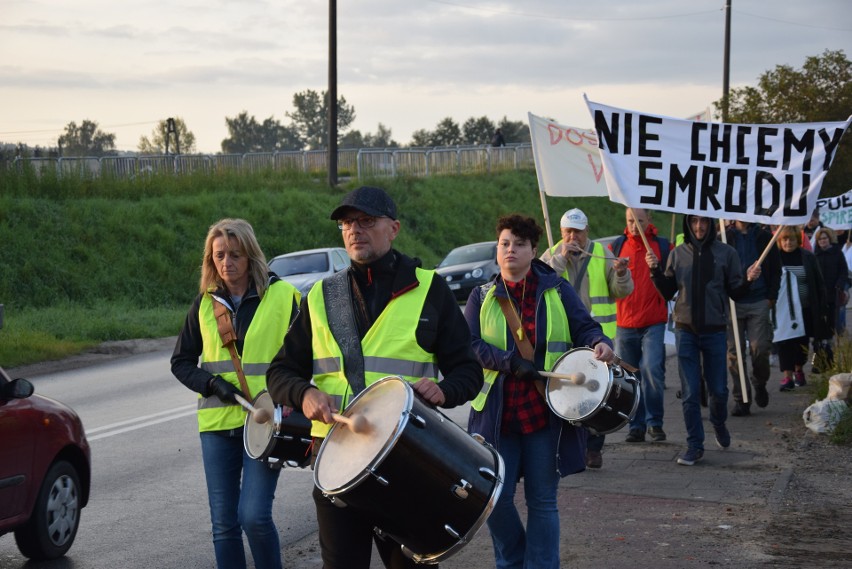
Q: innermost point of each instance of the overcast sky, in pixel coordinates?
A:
(404, 63)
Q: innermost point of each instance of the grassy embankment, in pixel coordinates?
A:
(90, 261)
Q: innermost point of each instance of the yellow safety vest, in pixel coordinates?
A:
(263, 339)
(493, 330)
(602, 305)
(389, 348)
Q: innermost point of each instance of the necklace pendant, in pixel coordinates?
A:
(520, 332)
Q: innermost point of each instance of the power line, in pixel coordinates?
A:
(4, 133)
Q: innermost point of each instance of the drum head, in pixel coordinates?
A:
(572, 401)
(345, 455)
(257, 436)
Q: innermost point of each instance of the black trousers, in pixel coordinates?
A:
(346, 538)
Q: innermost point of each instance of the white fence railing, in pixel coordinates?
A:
(364, 162)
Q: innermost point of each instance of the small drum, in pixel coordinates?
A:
(603, 403)
(428, 483)
(284, 441)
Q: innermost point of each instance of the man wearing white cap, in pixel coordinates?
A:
(577, 257)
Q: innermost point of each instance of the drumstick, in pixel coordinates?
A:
(259, 415)
(577, 378)
(357, 423)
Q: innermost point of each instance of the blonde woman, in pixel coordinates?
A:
(261, 306)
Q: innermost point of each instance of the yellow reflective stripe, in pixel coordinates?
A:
(558, 347)
(218, 367)
(213, 402)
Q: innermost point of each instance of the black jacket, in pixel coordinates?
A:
(749, 246)
(442, 331)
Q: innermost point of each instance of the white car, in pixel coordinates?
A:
(304, 268)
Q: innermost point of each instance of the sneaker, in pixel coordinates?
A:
(787, 384)
(800, 378)
(690, 457)
(657, 434)
(723, 437)
(594, 459)
(635, 436)
(761, 396)
(741, 409)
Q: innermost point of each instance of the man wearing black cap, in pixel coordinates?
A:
(404, 318)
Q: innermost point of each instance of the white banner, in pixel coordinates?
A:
(566, 159)
(757, 173)
(836, 213)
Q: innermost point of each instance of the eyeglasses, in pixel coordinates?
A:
(366, 222)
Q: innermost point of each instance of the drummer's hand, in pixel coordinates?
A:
(429, 391)
(604, 353)
(318, 406)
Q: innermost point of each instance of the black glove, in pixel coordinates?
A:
(524, 369)
(223, 389)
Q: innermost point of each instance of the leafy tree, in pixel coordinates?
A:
(248, 135)
(352, 139)
(310, 119)
(478, 131)
(86, 140)
(446, 133)
(421, 137)
(157, 143)
(514, 131)
(382, 138)
(820, 91)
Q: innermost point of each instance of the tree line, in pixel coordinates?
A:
(820, 91)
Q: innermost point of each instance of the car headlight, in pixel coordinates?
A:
(476, 273)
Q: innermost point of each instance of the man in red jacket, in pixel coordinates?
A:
(641, 318)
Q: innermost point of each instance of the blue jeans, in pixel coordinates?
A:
(693, 350)
(645, 348)
(235, 508)
(537, 547)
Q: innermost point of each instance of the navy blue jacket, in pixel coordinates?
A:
(569, 442)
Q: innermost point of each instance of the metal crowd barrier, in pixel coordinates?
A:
(364, 162)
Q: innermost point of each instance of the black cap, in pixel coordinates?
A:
(370, 200)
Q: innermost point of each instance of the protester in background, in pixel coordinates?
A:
(704, 273)
(809, 229)
(599, 278)
(753, 315)
(800, 276)
(641, 319)
(404, 321)
(835, 274)
(511, 411)
(260, 306)
(497, 140)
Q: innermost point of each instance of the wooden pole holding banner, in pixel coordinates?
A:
(641, 231)
(769, 245)
(735, 324)
(674, 218)
(546, 219)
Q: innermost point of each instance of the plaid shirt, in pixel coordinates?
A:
(524, 409)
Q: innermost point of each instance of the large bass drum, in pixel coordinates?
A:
(283, 441)
(603, 402)
(427, 482)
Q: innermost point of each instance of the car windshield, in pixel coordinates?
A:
(300, 264)
(470, 254)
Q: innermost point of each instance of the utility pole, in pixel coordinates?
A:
(726, 68)
(332, 93)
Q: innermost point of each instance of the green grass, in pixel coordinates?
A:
(87, 261)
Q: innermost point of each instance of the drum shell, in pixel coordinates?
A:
(428, 458)
(286, 441)
(604, 409)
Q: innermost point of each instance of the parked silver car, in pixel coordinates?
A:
(304, 268)
(469, 266)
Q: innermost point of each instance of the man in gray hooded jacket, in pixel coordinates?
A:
(705, 273)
